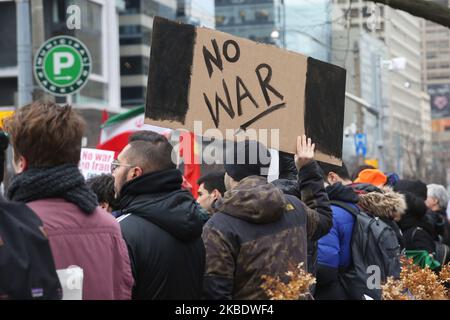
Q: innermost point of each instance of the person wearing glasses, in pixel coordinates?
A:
(160, 222)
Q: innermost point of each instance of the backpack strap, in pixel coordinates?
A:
(413, 235)
(353, 210)
(356, 212)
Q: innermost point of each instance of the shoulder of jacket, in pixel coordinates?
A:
(341, 214)
(220, 221)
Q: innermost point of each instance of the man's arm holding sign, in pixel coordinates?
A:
(311, 188)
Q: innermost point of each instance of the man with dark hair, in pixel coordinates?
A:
(103, 187)
(211, 188)
(334, 174)
(160, 222)
(334, 249)
(258, 231)
(46, 140)
(151, 136)
(147, 135)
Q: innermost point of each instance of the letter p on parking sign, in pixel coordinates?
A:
(62, 65)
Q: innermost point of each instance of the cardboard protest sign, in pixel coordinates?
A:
(226, 82)
(94, 162)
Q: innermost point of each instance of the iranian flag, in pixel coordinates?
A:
(117, 129)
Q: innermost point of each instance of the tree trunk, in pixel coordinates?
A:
(421, 8)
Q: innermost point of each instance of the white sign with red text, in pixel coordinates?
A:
(94, 162)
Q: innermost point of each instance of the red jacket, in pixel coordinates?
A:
(93, 242)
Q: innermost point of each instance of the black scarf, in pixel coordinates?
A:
(64, 181)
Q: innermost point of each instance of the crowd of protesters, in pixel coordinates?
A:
(139, 234)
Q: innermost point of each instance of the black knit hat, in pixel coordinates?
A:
(416, 187)
(246, 158)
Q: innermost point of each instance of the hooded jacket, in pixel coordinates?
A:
(161, 226)
(257, 231)
(373, 242)
(261, 231)
(441, 226)
(384, 203)
(417, 230)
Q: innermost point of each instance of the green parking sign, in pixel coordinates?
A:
(62, 65)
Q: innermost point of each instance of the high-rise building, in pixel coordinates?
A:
(436, 79)
(399, 97)
(136, 23)
(252, 19)
(196, 12)
(308, 27)
(297, 25)
(135, 28)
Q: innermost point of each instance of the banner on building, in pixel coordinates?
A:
(440, 125)
(440, 100)
(203, 76)
(94, 162)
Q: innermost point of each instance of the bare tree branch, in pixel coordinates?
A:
(421, 8)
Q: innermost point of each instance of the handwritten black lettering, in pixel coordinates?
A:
(264, 83)
(240, 84)
(237, 51)
(228, 107)
(268, 111)
(209, 57)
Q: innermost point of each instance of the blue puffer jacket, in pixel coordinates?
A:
(334, 250)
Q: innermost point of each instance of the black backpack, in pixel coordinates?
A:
(27, 269)
(374, 243)
(441, 251)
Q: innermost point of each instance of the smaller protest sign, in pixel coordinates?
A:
(94, 162)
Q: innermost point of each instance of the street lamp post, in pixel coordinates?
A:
(24, 54)
(376, 89)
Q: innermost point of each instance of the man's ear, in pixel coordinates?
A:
(215, 194)
(21, 165)
(136, 172)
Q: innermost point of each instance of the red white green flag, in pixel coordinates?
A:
(116, 131)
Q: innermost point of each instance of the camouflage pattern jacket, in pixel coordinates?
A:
(257, 231)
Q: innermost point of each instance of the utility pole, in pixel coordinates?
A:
(38, 38)
(376, 89)
(24, 54)
(284, 23)
(359, 108)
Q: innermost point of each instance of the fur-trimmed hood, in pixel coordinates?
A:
(384, 204)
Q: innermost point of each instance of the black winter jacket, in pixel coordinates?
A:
(418, 232)
(438, 219)
(162, 229)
